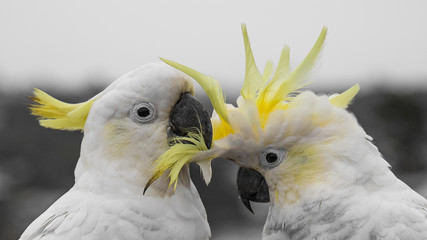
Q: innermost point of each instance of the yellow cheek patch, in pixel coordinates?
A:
(303, 165)
(117, 138)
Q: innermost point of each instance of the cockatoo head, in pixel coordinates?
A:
(129, 124)
(287, 141)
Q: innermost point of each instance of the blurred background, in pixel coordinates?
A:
(74, 49)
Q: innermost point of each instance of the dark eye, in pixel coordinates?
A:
(143, 113)
(272, 157)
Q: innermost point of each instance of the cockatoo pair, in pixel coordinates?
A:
(304, 153)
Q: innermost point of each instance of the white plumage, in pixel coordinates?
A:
(352, 195)
(117, 153)
(83, 214)
(332, 182)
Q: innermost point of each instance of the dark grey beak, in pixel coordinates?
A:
(187, 115)
(252, 187)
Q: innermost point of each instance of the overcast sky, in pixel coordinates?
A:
(57, 42)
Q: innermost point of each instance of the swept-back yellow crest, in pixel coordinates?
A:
(56, 114)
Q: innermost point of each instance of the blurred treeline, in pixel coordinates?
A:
(37, 164)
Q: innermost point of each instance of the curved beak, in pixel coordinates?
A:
(251, 186)
(187, 115)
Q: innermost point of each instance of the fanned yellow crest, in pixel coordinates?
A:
(210, 85)
(344, 99)
(252, 81)
(177, 156)
(266, 94)
(56, 114)
(283, 82)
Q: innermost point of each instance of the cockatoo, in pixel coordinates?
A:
(126, 128)
(308, 156)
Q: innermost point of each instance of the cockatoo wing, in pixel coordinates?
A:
(405, 217)
(64, 219)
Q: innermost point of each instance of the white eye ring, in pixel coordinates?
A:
(143, 113)
(272, 157)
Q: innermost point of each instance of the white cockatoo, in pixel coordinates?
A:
(126, 128)
(308, 156)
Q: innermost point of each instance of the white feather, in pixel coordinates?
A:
(116, 159)
(333, 183)
(81, 214)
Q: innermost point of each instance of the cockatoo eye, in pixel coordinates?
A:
(143, 113)
(272, 157)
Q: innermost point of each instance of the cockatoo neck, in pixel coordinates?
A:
(131, 183)
(333, 211)
(324, 213)
(112, 167)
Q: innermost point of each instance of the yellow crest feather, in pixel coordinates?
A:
(220, 128)
(268, 70)
(344, 99)
(177, 156)
(252, 81)
(266, 93)
(284, 82)
(56, 114)
(210, 85)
